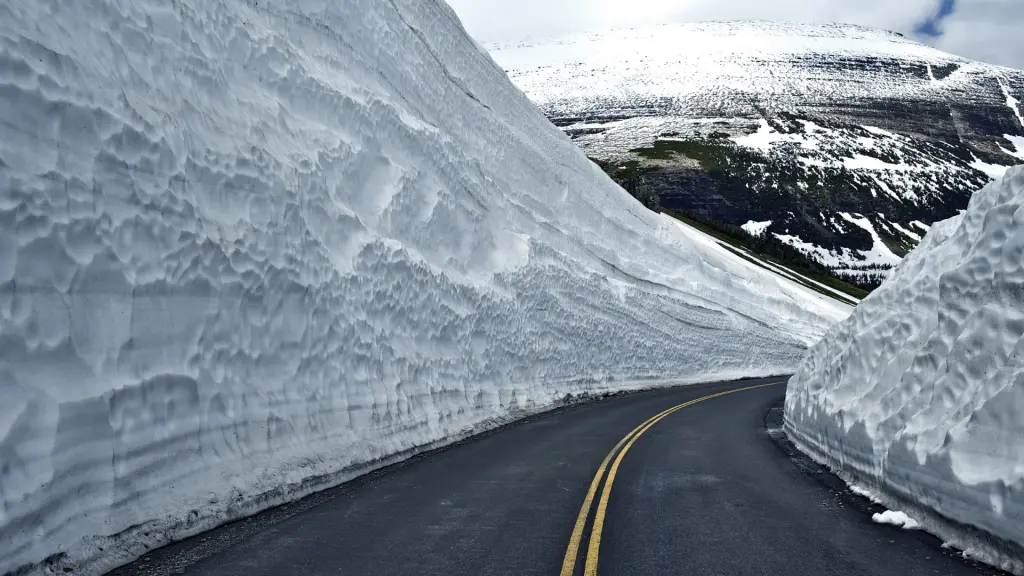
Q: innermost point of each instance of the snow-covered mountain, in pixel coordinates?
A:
(248, 250)
(919, 395)
(842, 141)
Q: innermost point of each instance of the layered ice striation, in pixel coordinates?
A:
(920, 393)
(248, 250)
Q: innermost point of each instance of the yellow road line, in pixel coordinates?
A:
(569, 562)
(572, 550)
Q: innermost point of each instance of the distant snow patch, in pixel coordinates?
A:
(815, 162)
(906, 231)
(1012, 102)
(591, 125)
(862, 162)
(885, 187)
(866, 142)
(811, 127)
(764, 138)
(823, 255)
(879, 253)
(756, 228)
(993, 171)
(879, 131)
(1018, 145)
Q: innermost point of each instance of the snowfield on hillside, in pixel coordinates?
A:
(791, 123)
(919, 395)
(754, 57)
(251, 250)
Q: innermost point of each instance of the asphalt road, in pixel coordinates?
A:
(704, 491)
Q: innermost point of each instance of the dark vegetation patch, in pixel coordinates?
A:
(794, 277)
(773, 250)
(720, 160)
(711, 180)
(574, 132)
(563, 121)
(712, 154)
(941, 72)
(623, 171)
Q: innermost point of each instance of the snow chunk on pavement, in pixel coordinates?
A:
(895, 518)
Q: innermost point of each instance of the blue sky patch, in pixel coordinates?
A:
(932, 26)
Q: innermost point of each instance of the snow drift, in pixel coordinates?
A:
(251, 249)
(920, 393)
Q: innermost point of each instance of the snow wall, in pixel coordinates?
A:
(250, 249)
(920, 393)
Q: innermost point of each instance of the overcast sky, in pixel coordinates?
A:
(987, 30)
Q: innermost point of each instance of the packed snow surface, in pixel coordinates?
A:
(920, 393)
(248, 250)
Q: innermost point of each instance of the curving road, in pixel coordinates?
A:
(704, 490)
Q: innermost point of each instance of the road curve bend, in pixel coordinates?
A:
(677, 481)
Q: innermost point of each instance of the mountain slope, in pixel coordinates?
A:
(842, 141)
(248, 250)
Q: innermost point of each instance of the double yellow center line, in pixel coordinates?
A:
(572, 551)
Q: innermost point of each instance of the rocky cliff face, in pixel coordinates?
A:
(844, 142)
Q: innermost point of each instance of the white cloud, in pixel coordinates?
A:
(988, 30)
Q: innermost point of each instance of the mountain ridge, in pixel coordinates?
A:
(843, 141)
(765, 24)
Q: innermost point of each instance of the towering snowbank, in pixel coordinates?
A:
(920, 393)
(248, 249)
